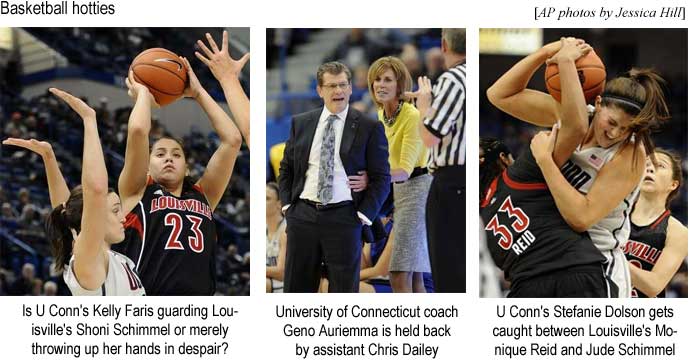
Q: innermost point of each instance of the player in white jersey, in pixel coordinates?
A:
(276, 239)
(593, 191)
(86, 221)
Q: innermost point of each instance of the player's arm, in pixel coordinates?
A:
(651, 283)
(614, 182)
(220, 167)
(277, 272)
(58, 189)
(381, 268)
(133, 178)
(90, 265)
(574, 115)
(510, 93)
(226, 70)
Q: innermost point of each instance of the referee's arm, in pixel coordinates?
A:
(429, 139)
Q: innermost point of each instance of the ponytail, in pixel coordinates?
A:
(641, 94)
(59, 223)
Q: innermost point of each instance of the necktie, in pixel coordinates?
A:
(325, 171)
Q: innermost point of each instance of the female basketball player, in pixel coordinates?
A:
(388, 80)
(658, 242)
(526, 235)
(171, 214)
(85, 222)
(276, 239)
(598, 183)
(226, 70)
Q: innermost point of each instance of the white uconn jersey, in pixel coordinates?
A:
(613, 230)
(121, 279)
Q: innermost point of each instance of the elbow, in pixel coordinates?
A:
(578, 224)
(235, 140)
(493, 96)
(138, 130)
(97, 186)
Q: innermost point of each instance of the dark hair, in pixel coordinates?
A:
(677, 173)
(59, 223)
(641, 94)
(491, 166)
(333, 68)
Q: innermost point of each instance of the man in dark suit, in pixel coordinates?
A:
(324, 216)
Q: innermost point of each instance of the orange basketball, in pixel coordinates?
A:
(591, 74)
(162, 72)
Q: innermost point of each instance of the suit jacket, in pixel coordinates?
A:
(363, 147)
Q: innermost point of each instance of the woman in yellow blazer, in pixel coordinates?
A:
(388, 80)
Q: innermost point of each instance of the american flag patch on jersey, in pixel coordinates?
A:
(596, 161)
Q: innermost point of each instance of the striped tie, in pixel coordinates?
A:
(325, 171)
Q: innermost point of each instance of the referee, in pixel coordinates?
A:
(443, 132)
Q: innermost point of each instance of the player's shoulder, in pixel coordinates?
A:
(121, 258)
(676, 228)
(456, 74)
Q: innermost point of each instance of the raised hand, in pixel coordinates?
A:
(79, 106)
(194, 87)
(219, 61)
(136, 90)
(423, 96)
(42, 148)
(571, 49)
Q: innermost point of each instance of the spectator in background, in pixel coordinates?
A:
(3, 195)
(24, 285)
(30, 218)
(50, 288)
(23, 197)
(8, 213)
(15, 128)
(434, 64)
(358, 49)
(411, 57)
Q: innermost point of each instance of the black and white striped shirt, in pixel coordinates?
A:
(448, 120)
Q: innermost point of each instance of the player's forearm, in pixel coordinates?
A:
(58, 189)
(573, 206)
(239, 105)
(648, 282)
(140, 117)
(516, 79)
(94, 172)
(224, 127)
(274, 272)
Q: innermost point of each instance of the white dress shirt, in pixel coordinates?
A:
(341, 189)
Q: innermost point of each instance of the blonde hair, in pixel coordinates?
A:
(404, 82)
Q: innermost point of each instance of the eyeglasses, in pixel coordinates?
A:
(341, 86)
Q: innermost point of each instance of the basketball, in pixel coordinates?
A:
(162, 72)
(591, 73)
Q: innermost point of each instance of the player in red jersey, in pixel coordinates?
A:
(170, 213)
(658, 242)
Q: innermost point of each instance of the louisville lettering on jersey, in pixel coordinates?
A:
(642, 251)
(172, 203)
